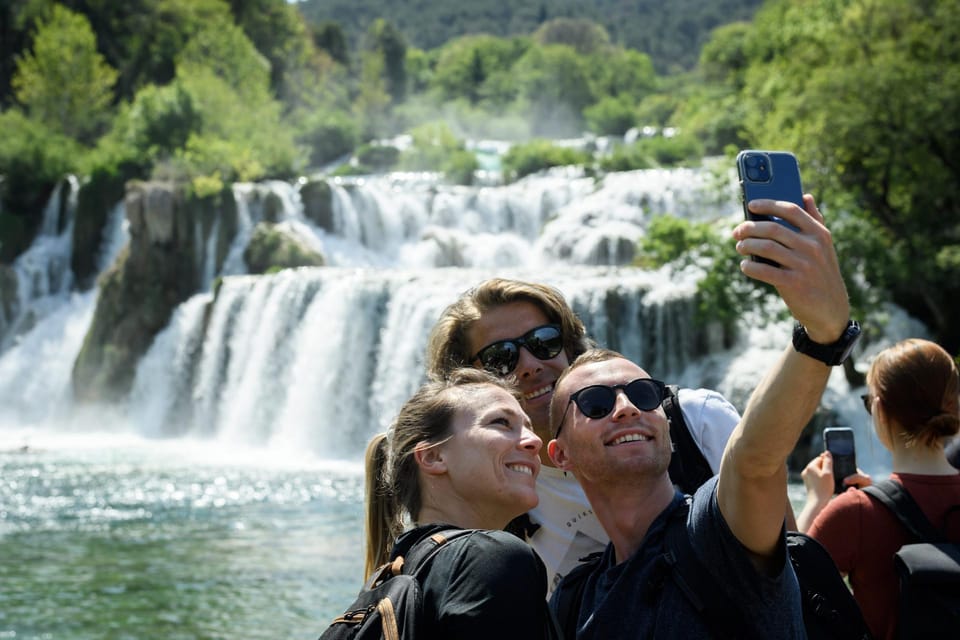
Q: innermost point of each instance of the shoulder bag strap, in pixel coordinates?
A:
(688, 467)
(894, 497)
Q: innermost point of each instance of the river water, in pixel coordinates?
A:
(116, 537)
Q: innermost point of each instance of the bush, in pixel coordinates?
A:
(378, 157)
(674, 150)
(627, 158)
(460, 167)
(524, 159)
(668, 238)
(611, 116)
(328, 136)
(720, 297)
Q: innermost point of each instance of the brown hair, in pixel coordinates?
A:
(917, 382)
(392, 474)
(558, 406)
(448, 346)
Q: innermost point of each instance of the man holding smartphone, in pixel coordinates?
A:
(617, 449)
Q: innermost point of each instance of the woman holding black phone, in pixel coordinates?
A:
(912, 396)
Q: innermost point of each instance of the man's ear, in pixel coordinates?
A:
(430, 458)
(559, 455)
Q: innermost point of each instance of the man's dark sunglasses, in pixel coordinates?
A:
(598, 400)
(501, 357)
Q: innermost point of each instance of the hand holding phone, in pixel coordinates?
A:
(839, 442)
(774, 175)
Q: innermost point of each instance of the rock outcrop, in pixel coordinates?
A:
(157, 271)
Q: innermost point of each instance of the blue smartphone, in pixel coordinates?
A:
(768, 174)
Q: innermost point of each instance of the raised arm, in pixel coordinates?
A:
(753, 474)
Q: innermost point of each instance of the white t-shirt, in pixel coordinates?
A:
(569, 530)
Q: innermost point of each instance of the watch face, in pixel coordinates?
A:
(850, 337)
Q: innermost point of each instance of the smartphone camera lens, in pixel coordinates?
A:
(758, 169)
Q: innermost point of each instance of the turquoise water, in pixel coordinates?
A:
(172, 540)
(128, 539)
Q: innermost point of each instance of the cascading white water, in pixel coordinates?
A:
(319, 359)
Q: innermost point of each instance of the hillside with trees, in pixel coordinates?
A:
(671, 33)
(209, 92)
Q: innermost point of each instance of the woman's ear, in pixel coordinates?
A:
(430, 458)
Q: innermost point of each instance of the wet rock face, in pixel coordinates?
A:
(318, 204)
(138, 293)
(8, 297)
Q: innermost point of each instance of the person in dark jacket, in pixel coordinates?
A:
(462, 454)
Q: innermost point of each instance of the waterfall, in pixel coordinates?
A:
(319, 359)
(322, 358)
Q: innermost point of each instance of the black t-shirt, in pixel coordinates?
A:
(489, 585)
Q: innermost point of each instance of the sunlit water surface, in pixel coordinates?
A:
(108, 538)
(138, 539)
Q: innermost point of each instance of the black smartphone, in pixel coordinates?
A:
(768, 174)
(839, 442)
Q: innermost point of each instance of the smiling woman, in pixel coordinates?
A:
(461, 454)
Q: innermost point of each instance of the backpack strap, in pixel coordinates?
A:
(722, 615)
(688, 467)
(894, 497)
(568, 596)
(419, 556)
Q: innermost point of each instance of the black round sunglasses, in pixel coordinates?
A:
(598, 400)
(501, 357)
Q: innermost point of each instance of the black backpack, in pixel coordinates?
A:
(390, 603)
(688, 467)
(929, 569)
(829, 610)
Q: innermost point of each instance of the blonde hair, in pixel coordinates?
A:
(918, 384)
(392, 474)
(449, 347)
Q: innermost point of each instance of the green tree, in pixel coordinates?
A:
(388, 43)
(372, 104)
(237, 132)
(329, 36)
(63, 82)
(555, 81)
(477, 67)
(584, 36)
(622, 73)
(867, 93)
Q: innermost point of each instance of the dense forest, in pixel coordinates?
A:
(671, 33)
(208, 92)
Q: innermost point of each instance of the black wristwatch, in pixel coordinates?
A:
(829, 354)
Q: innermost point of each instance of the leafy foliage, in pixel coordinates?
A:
(684, 244)
(867, 94)
(524, 159)
(62, 81)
